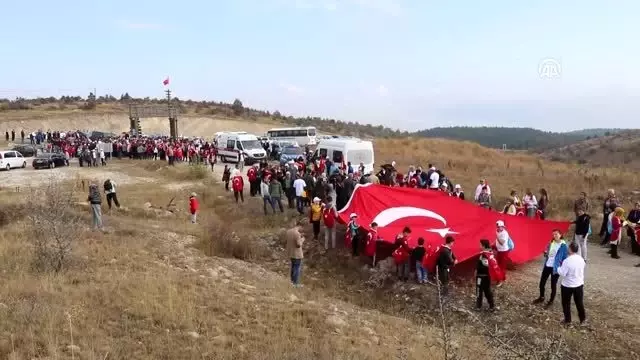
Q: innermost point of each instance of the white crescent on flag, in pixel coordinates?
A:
(390, 215)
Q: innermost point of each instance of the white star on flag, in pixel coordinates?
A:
(443, 232)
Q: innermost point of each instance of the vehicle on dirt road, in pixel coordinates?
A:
(12, 159)
(347, 149)
(49, 161)
(302, 135)
(291, 153)
(231, 144)
(27, 150)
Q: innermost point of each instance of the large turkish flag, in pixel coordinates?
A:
(433, 215)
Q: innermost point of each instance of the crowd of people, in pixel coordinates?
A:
(317, 187)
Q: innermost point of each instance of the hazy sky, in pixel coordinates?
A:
(407, 64)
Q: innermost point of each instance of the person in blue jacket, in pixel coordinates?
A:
(554, 255)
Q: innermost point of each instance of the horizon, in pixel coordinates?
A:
(402, 64)
(325, 119)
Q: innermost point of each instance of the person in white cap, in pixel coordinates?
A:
(504, 245)
(457, 192)
(315, 216)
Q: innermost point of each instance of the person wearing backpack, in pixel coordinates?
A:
(504, 245)
(110, 191)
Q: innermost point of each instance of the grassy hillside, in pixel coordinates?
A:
(43, 109)
(513, 137)
(621, 149)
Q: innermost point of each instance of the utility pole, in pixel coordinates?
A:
(173, 119)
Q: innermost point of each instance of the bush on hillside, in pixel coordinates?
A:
(226, 240)
(54, 226)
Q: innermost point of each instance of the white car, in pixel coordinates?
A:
(11, 160)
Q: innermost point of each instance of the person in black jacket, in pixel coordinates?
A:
(417, 255)
(634, 217)
(446, 260)
(582, 222)
(483, 277)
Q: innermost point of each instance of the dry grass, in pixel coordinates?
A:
(144, 290)
(155, 286)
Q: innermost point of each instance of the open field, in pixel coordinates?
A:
(154, 286)
(192, 125)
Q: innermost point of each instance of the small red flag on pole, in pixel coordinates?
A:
(165, 82)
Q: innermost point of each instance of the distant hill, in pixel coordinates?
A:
(595, 132)
(618, 149)
(513, 137)
(495, 137)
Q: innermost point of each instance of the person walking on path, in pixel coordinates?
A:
(582, 231)
(95, 200)
(554, 255)
(572, 285)
(275, 191)
(110, 191)
(295, 239)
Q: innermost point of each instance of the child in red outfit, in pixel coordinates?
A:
(194, 205)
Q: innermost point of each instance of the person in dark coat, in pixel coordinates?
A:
(446, 260)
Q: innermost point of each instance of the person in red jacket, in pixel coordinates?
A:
(401, 254)
(372, 243)
(237, 184)
(254, 182)
(194, 205)
(329, 215)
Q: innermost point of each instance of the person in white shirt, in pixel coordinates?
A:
(299, 184)
(434, 179)
(103, 160)
(482, 184)
(530, 203)
(554, 255)
(572, 285)
(503, 246)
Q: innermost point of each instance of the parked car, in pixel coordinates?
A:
(291, 153)
(26, 150)
(49, 160)
(12, 159)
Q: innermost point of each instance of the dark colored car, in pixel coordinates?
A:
(49, 160)
(26, 150)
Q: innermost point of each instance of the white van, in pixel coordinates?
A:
(349, 149)
(12, 160)
(231, 144)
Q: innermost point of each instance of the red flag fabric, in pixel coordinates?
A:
(495, 273)
(433, 215)
(165, 82)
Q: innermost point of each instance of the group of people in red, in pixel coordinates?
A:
(438, 260)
